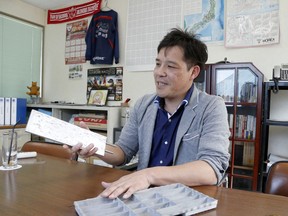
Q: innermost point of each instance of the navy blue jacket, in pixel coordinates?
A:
(102, 38)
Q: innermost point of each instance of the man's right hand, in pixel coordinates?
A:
(77, 149)
(85, 152)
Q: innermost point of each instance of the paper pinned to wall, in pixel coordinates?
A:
(55, 129)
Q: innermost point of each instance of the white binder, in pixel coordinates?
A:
(7, 113)
(2, 110)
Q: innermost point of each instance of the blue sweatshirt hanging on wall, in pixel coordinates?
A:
(102, 38)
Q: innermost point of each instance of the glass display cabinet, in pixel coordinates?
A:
(203, 80)
(240, 85)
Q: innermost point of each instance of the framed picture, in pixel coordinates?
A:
(98, 97)
(106, 78)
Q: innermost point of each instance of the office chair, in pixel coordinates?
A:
(277, 179)
(47, 148)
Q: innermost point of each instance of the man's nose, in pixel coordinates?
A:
(161, 71)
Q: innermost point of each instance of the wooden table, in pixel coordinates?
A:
(49, 186)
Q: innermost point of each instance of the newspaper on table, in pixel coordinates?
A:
(58, 130)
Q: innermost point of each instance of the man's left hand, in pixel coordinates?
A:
(126, 185)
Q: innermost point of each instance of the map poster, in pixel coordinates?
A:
(252, 23)
(205, 18)
(75, 46)
(106, 78)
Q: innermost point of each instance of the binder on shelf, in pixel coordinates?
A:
(7, 113)
(2, 110)
(18, 110)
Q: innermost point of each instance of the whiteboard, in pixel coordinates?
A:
(148, 22)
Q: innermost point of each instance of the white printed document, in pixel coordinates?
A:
(55, 129)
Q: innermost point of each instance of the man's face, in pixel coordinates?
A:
(172, 78)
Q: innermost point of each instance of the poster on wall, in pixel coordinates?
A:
(205, 18)
(106, 78)
(75, 45)
(252, 23)
(76, 71)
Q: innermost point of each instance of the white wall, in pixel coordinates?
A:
(24, 11)
(57, 86)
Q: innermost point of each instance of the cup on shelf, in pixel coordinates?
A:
(9, 150)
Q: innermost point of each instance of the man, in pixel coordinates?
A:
(181, 135)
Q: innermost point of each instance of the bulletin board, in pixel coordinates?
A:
(149, 21)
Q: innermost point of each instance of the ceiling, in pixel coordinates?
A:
(51, 4)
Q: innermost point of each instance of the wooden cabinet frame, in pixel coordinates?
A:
(240, 176)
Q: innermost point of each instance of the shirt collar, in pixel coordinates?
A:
(185, 101)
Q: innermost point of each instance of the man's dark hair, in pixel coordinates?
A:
(195, 51)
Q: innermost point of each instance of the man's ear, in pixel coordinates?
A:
(195, 72)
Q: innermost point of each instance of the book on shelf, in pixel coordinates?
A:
(244, 154)
(248, 154)
(97, 115)
(245, 126)
(248, 92)
(92, 123)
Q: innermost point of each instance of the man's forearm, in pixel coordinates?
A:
(113, 155)
(191, 174)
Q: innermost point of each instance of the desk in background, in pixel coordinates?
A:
(49, 186)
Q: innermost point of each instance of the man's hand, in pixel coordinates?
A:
(85, 152)
(82, 152)
(83, 125)
(127, 185)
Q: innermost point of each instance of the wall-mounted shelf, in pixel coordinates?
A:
(269, 87)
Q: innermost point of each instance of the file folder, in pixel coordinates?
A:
(18, 110)
(7, 113)
(2, 110)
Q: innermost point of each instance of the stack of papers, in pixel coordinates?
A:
(57, 130)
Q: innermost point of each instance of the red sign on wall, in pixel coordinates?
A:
(73, 13)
